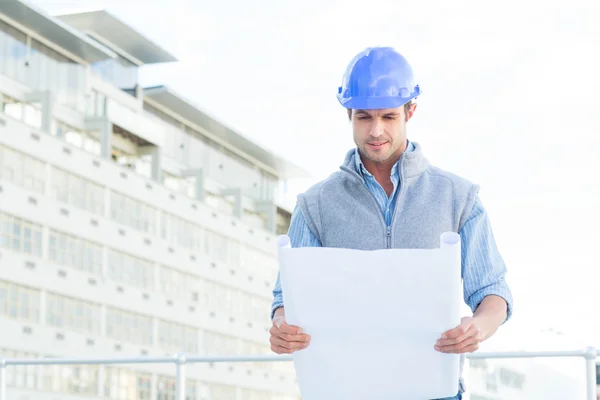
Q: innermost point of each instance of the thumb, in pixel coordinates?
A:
(278, 320)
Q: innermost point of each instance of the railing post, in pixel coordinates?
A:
(180, 377)
(2, 379)
(590, 354)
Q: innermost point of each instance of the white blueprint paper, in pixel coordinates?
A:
(373, 318)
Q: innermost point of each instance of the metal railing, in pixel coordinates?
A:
(589, 354)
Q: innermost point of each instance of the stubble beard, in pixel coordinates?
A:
(378, 156)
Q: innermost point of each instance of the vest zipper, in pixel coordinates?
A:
(401, 182)
(389, 237)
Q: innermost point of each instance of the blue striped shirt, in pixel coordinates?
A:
(483, 269)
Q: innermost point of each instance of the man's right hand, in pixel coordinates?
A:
(286, 339)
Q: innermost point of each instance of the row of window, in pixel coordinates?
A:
(74, 252)
(19, 302)
(129, 327)
(133, 213)
(119, 383)
(20, 235)
(22, 170)
(66, 312)
(214, 296)
(30, 173)
(24, 304)
(130, 270)
(76, 191)
(32, 63)
(217, 162)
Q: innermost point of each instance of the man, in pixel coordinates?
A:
(389, 196)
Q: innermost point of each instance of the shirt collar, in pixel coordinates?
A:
(360, 168)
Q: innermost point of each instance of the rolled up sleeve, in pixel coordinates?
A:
(483, 269)
(300, 236)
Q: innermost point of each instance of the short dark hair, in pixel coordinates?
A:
(406, 109)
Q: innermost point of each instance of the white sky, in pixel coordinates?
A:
(510, 102)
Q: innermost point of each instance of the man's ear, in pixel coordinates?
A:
(411, 111)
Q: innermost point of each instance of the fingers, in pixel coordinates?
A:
(465, 338)
(285, 339)
(281, 346)
(460, 330)
(473, 331)
(289, 334)
(466, 347)
(291, 329)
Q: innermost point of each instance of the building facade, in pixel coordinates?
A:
(131, 222)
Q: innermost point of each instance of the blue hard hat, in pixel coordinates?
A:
(376, 78)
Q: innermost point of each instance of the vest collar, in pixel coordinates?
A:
(412, 163)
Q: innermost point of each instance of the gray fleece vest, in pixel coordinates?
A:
(341, 212)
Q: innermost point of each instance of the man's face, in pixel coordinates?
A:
(380, 135)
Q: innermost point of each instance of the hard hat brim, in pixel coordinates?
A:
(374, 103)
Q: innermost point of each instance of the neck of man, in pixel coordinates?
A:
(382, 171)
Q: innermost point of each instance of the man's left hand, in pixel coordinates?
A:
(465, 338)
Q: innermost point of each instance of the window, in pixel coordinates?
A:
(219, 202)
(40, 67)
(233, 302)
(254, 394)
(511, 378)
(261, 309)
(179, 184)
(22, 170)
(179, 285)
(19, 302)
(252, 349)
(217, 297)
(177, 338)
(125, 384)
(141, 164)
(74, 252)
(133, 213)
(129, 327)
(233, 253)
(216, 246)
(191, 390)
(76, 191)
(130, 270)
(254, 260)
(283, 396)
(96, 104)
(13, 52)
(218, 391)
(144, 386)
(20, 235)
(165, 388)
(71, 379)
(21, 376)
(33, 115)
(73, 314)
(181, 232)
(119, 72)
(216, 344)
(283, 368)
(12, 107)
